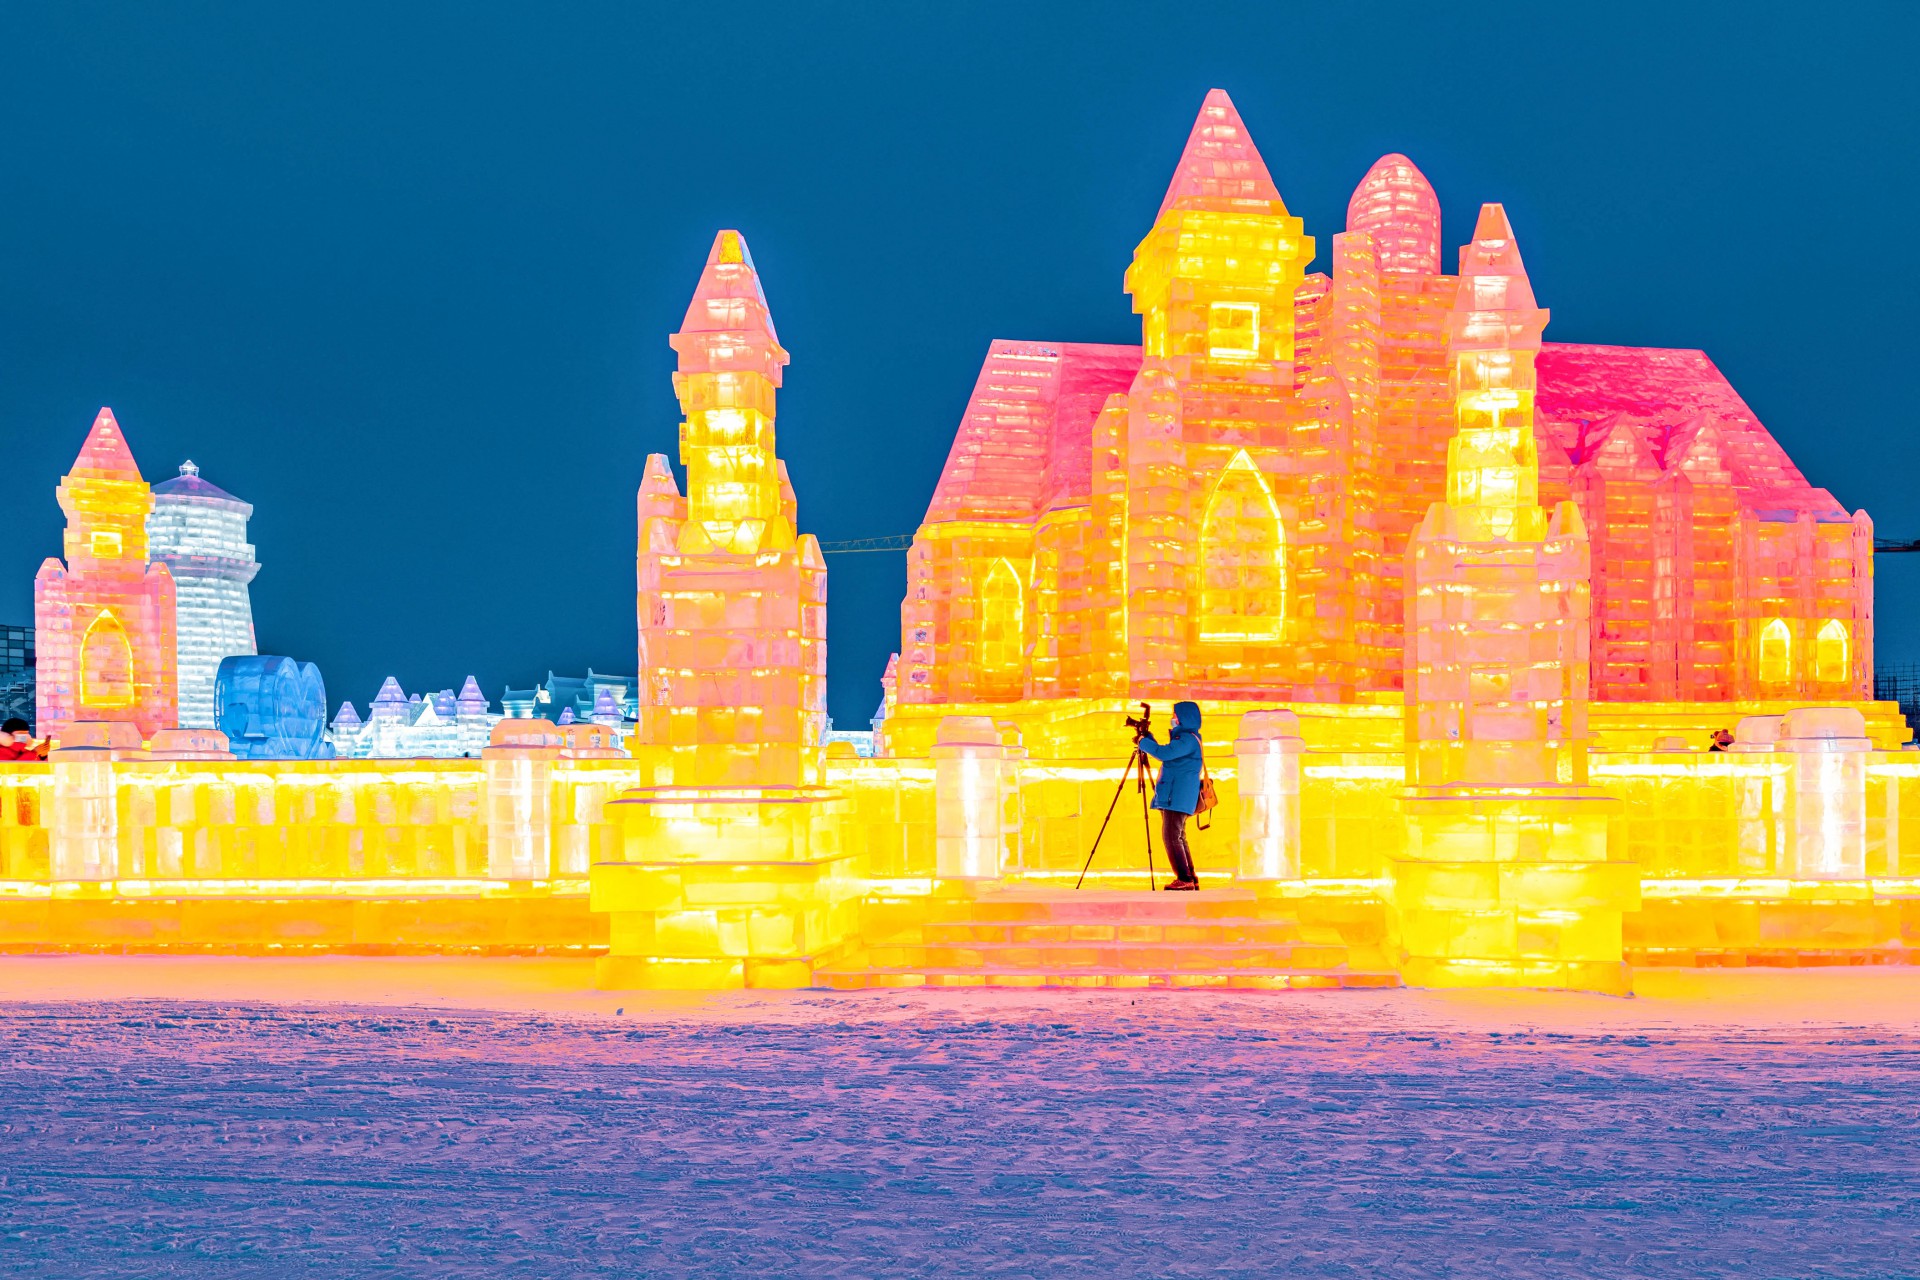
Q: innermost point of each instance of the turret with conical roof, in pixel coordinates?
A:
(1498, 588)
(391, 702)
(105, 618)
(1493, 465)
(472, 702)
(730, 368)
(1507, 875)
(1216, 275)
(106, 501)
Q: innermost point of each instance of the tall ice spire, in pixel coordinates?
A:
(730, 368)
(731, 602)
(1493, 336)
(1508, 876)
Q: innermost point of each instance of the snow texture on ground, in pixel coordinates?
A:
(1054, 1134)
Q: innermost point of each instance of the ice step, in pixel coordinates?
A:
(1066, 906)
(1062, 937)
(1129, 956)
(858, 979)
(1225, 929)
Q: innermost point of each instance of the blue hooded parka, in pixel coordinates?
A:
(1179, 785)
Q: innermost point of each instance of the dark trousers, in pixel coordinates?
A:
(1173, 838)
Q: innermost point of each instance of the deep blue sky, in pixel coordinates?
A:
(404, 280)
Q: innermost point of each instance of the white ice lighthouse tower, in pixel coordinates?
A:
(199, 531)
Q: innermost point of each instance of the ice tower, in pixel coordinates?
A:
(733, 872)
(1506, 876)
(1171, 520)
(1235, 479)
(199, 531)
(105, 619)
(732, 601)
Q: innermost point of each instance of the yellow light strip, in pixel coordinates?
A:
(305, 888)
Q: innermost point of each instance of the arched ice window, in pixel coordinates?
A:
(1243, 558)
(1776, 653)
(1832, 653)
(1003, 618)
(106, 664)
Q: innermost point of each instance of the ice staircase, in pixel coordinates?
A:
(1059, 937)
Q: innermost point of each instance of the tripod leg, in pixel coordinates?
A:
(1146, 817)
(1103, 824)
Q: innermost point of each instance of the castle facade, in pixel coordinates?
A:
(1224, 510)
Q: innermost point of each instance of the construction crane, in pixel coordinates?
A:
(896, 542)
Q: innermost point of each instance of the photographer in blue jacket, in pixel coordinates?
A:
(1177, 793)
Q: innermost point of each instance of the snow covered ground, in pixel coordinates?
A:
(245, 1118)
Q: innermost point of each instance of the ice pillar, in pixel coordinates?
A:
(1828, 792)
(969, 811)
(519, 765)
(83, 843)
(1268, 752)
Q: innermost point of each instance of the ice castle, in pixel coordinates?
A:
(1462, 608)
(1224, 510)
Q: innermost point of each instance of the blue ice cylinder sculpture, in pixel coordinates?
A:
(271, 708)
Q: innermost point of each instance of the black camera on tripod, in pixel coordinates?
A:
(1141, 724)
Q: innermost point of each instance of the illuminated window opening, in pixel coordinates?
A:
(1003, 619)
(1832, 653)
(106, 664)
(1776, 653)
(105, 544)
(1243, 562)
(1233, 330)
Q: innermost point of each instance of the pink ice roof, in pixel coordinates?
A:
(1220, 167)
(1026, 438)
(728, 326)
(1025, 441)
(729, 297)
(105, 454)
(1667, 394)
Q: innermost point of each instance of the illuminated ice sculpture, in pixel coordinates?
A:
(104, 620)
(732, 598)
(1463, 608)
(729, 837)
(1223, 511)
(271, 708)
(199, 531)
(400, 726)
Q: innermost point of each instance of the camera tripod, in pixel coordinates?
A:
(1135, 769)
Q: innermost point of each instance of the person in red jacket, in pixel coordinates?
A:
(16, 742)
